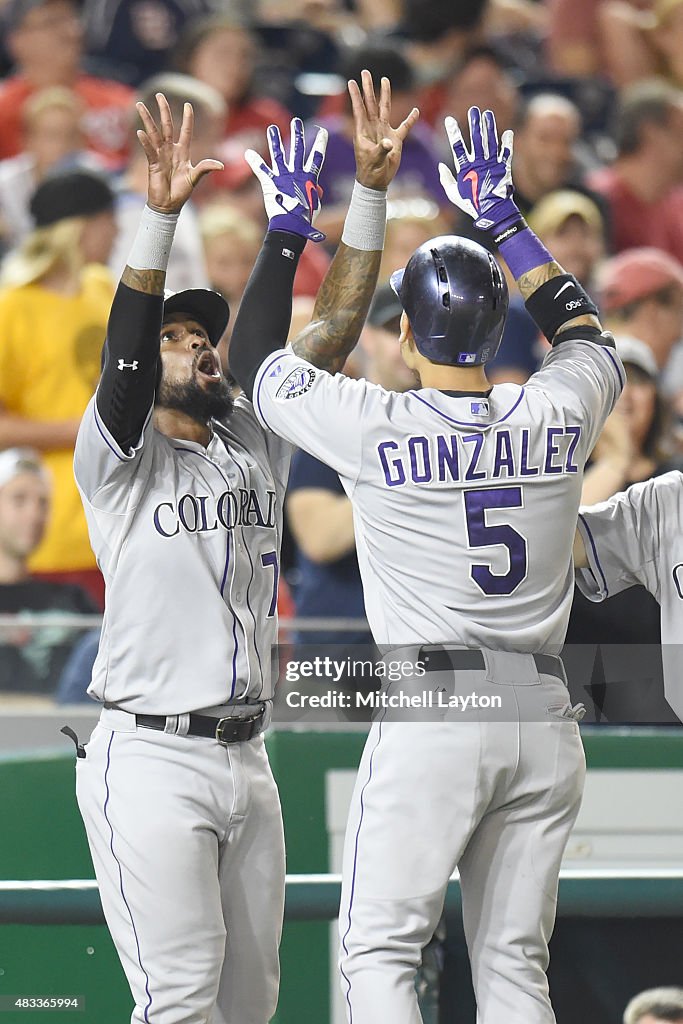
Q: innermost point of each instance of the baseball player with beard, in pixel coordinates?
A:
(637, 537)
(183, 493)
(465, 500)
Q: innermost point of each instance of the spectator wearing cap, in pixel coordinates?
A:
(656, 1006)
(635, 445)
(45, 40)
(418, 174)
(644, 185)
(571, 226)
(53, 316)
(641, 295)
(53, 141)
(31, 656)
(327, 580)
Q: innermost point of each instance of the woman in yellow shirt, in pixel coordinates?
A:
(54, 302)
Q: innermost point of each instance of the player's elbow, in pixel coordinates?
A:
(322, 524)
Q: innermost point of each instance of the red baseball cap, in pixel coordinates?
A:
(635, 274)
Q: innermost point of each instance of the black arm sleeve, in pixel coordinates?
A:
(265, 313)
(130, 362)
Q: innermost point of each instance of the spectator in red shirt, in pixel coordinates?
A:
(45, 41)
(221, 51)
(644, 185)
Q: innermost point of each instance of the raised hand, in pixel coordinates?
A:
(172, 175)
(291, 192)
(377, 146)
(482, 186)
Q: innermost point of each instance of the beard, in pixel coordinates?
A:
(198, 403)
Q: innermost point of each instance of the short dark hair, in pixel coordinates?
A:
(482, 51)
(429, 20)
(199, 29)
(644, 103)
(381, 60)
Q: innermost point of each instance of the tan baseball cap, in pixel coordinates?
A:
(551, 212)
(635, 274)
(661, 10)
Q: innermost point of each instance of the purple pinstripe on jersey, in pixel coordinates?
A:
(620, 374)
(246, 547)
(466, 423)
(355, 862)
(595, 553)
(106, 440)
(258, 387)
(118, 863)
(225, 573)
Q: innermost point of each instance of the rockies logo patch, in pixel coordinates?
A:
(298, 382)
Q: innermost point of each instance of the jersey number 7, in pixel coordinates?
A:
(481, 535)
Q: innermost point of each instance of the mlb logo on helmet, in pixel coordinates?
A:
(467, 357)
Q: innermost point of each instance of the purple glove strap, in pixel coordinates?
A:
(296, 225)
(523, 252)
(498, 215)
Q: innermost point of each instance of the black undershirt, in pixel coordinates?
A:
(466, 394)
(130, 367)
(265, 313)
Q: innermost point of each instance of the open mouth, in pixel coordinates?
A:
(207, 366)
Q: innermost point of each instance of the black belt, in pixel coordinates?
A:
(231, 729)
(443, 659)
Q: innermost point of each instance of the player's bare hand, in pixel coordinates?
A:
(172, 175)
(376, 144)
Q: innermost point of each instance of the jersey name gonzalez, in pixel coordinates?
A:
(464, 505)
(204, 513)
(455, 457)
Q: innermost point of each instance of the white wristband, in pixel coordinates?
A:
(366, 220)
(152, 246)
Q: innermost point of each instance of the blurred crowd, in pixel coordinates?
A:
(594, 92)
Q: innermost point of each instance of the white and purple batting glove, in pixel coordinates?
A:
(291, 192)
(482, 187)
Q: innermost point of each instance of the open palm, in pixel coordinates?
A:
(377, 146)
(172, 175)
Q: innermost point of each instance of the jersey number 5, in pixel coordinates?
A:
(481, 535)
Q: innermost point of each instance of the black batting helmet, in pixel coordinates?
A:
(456, 299)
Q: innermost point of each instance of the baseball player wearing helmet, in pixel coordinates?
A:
(633, 538)
(465, 498)
(183, 493)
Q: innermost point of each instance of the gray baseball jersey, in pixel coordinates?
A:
(637, 537)
(197, 631)
(441, 481)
